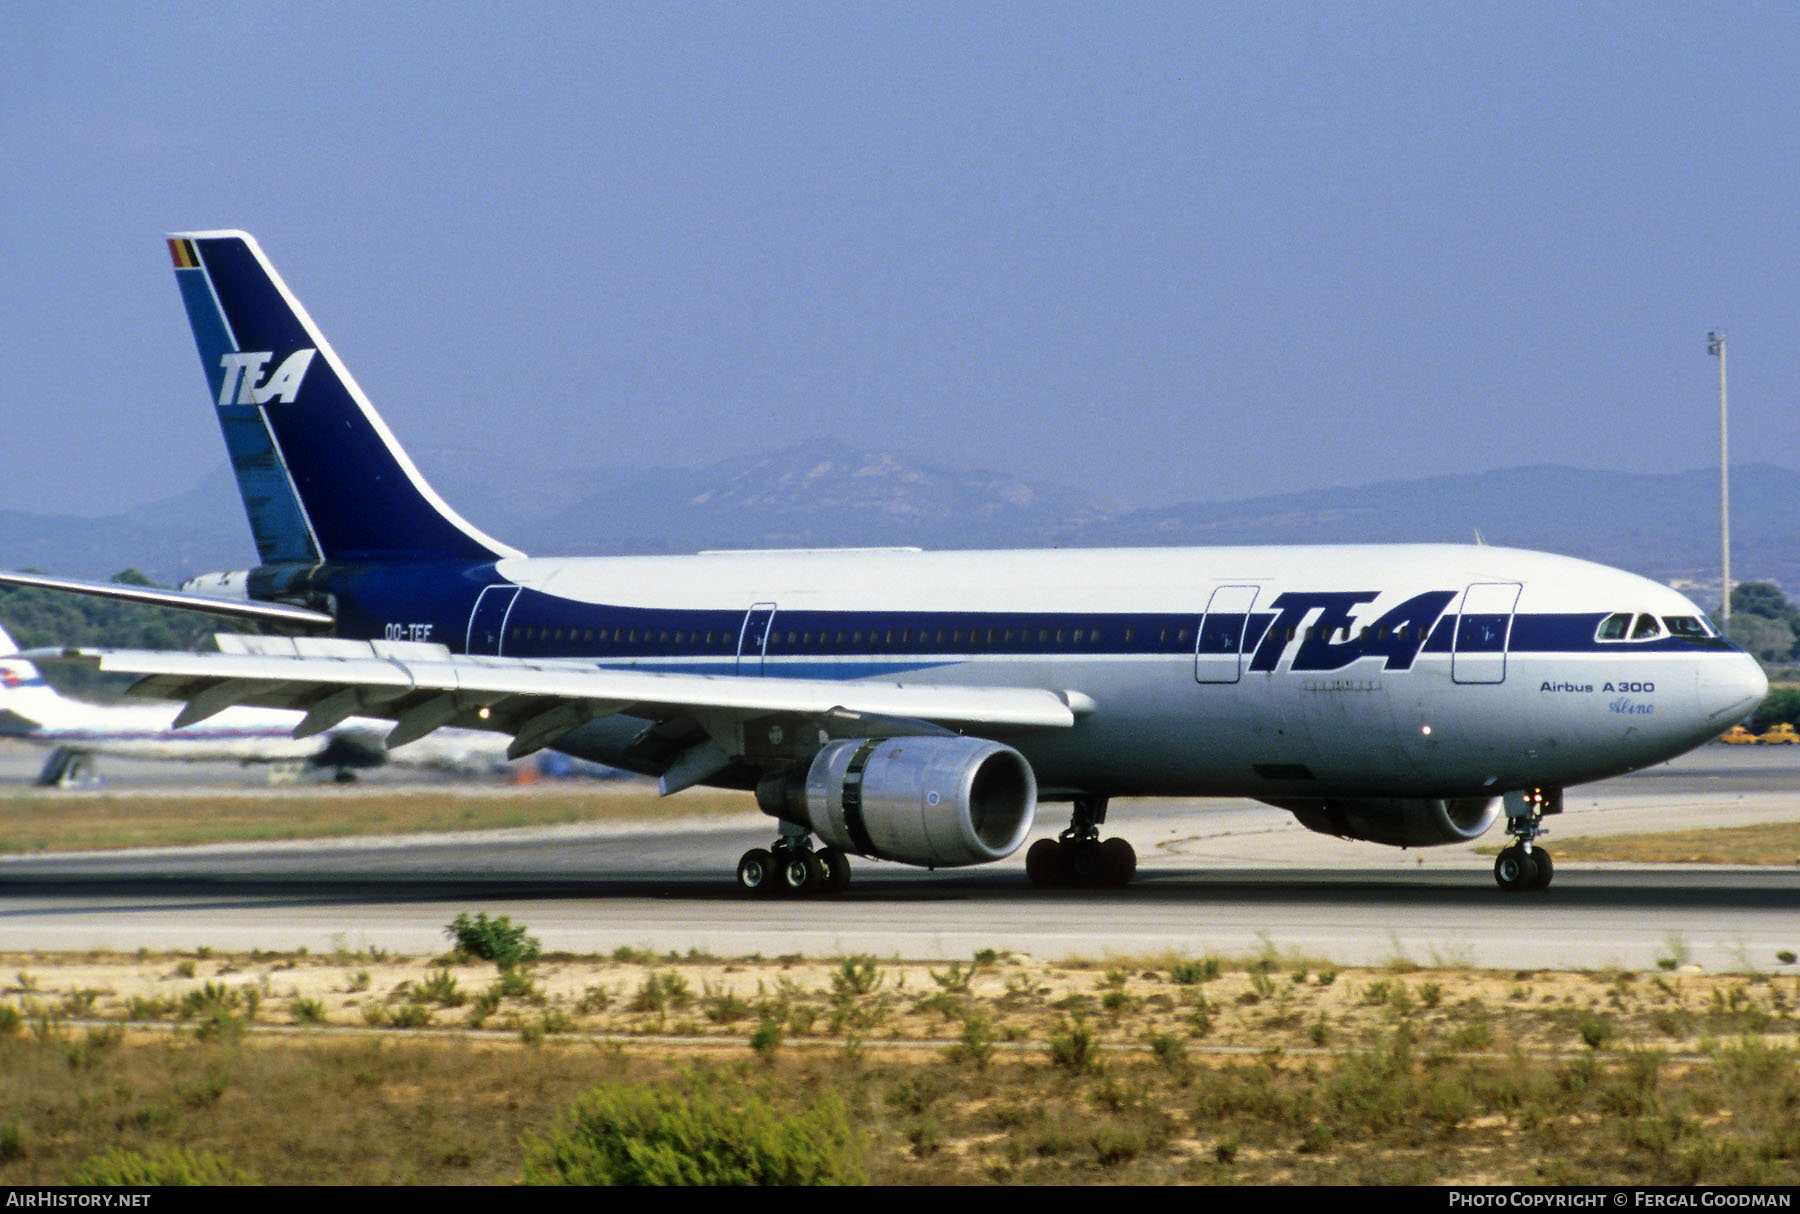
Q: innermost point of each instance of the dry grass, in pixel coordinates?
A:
(1776, 843)
(46, 821)
(1003, 1069)
(364, 1068)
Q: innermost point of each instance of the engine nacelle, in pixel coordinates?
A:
(937, 802)
(1398, 821)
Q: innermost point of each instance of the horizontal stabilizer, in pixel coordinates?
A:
(180, 600)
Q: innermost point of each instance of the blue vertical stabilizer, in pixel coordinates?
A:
(321, 475)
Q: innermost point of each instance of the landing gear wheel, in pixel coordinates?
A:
(1545, 869)
(801, 873)
(1078, 857)
(1524, 867)
(755, 871)
(1085, 863)
(837, 870)
(1515, 870)
(1080, 863)
(1118, 863)
(1044, 864)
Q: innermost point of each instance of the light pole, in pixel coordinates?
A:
(1715, 345)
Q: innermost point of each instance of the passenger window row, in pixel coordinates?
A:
(791, 640)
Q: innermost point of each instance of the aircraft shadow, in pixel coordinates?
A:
(1412, 894)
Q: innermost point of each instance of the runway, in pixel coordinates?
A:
(1228, 878)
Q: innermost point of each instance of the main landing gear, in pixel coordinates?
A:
(1078, 858)
(1523, 867)
(792, 867)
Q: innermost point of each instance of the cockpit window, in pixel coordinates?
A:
(1614, 627)
(1642, 626)
(1688, 627)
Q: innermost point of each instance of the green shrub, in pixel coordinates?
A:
(855, 977)
(724, 1006)
(219, 1025)
(214, 996)
(1171, 1051)
(161, 1166)
(975, 1045)
(500, 940)
(660, 992)
(440, 987)
(1597, 1029)
(15, 1140)
(410, 1016)
(766, 1039)
(1075, 1049)
(676, 1135)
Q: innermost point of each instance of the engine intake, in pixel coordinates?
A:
(937, 802)
(1398, 821)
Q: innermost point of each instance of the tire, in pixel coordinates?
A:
(755, 871)
(1044, 864)
(1514, 871)
(801, 873)
(1546, 869)
(837, 870)
(1118, 863)
(1086, 864)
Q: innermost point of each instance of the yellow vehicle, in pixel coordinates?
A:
(1737, 735)
(1781, 735)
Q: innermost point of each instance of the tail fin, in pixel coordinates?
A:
(321, 475)
(24, 696)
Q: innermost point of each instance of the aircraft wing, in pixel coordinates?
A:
(702, 724)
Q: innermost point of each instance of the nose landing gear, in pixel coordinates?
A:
(1523, 867)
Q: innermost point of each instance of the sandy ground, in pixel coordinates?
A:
(1250, 1003)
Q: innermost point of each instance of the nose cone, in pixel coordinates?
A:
(1730, 689)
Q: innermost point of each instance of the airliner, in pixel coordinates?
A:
(916, 706)
(77, 730)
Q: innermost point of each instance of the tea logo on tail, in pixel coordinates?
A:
(243, 369)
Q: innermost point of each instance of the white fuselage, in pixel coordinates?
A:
(1277, 672)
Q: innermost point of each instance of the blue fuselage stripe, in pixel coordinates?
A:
(433, 602)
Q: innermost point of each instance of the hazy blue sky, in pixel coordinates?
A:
(1169, 252)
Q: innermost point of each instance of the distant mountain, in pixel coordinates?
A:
(1665, 526)
(169, 540)
(829, 493)
(824, 494)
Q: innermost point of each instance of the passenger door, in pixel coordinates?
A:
(1219, 641)
(1483, 632)
(487, 621)
(753, 638)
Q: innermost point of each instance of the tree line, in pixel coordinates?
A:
(1767, 625)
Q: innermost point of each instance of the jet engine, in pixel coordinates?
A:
(940, 802)
(1398, 821)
